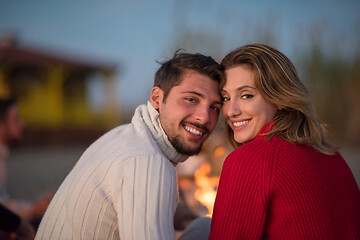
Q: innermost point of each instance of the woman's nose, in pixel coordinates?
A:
(232, 108)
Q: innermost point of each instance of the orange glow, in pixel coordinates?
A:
(219, 151)
(206, 187)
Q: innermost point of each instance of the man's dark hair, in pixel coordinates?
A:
(5, 104)
(171, 72)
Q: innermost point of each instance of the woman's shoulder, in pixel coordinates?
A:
(258, 152)
(259, 144)
(253, 161)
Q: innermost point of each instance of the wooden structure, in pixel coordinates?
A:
(51, 87)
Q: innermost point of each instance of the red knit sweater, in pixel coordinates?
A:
(277, 190)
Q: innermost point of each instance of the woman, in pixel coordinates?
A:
(284, 180)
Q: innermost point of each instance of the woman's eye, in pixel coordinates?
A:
(247, 96)
(225, 99)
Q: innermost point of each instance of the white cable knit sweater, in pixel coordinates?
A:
(123, 187)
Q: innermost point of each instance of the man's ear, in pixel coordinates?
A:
(156, 97)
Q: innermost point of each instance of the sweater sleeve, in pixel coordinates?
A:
(241, 201)
(147, 198)
(9, 221)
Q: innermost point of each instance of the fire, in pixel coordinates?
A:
(206, 187)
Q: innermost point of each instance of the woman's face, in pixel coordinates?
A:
(244, 108)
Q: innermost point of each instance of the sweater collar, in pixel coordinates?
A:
(265, 129)
(148, 116)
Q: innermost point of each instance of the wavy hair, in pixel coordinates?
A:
(278, 83)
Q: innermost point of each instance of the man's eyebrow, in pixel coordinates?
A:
(218, 102)
(193, 92)
(200, 95)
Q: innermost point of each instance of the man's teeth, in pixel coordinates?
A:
(239, 124)
(193, 131)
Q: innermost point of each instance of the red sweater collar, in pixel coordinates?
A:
(265, 129)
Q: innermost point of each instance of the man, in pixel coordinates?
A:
(124, 186)
(11, 132)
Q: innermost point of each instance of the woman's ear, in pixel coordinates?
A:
(156, 97)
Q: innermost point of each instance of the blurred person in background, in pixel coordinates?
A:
(284, 180)
(124, 186)
(13, 227)
(11, 132)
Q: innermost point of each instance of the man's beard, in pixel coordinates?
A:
(181, 148)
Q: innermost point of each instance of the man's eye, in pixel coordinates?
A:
(217, 109)
(247, 96)
(190, 99)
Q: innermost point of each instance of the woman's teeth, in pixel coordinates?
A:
(239, 124)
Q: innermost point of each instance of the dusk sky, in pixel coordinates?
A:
(134, 34)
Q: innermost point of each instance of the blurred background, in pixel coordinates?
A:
(80, 68)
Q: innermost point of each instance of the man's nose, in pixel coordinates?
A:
(202, 114)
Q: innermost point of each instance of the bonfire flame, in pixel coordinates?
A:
(206, 193)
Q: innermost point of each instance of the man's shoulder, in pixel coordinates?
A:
(126, 141)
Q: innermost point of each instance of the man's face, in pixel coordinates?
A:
(190, 112)
(13, 125)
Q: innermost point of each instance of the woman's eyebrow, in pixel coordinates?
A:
(245, 86)
(240, 88)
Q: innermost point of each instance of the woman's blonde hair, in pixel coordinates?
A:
(278, 83)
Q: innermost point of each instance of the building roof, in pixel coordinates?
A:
(12, 53)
